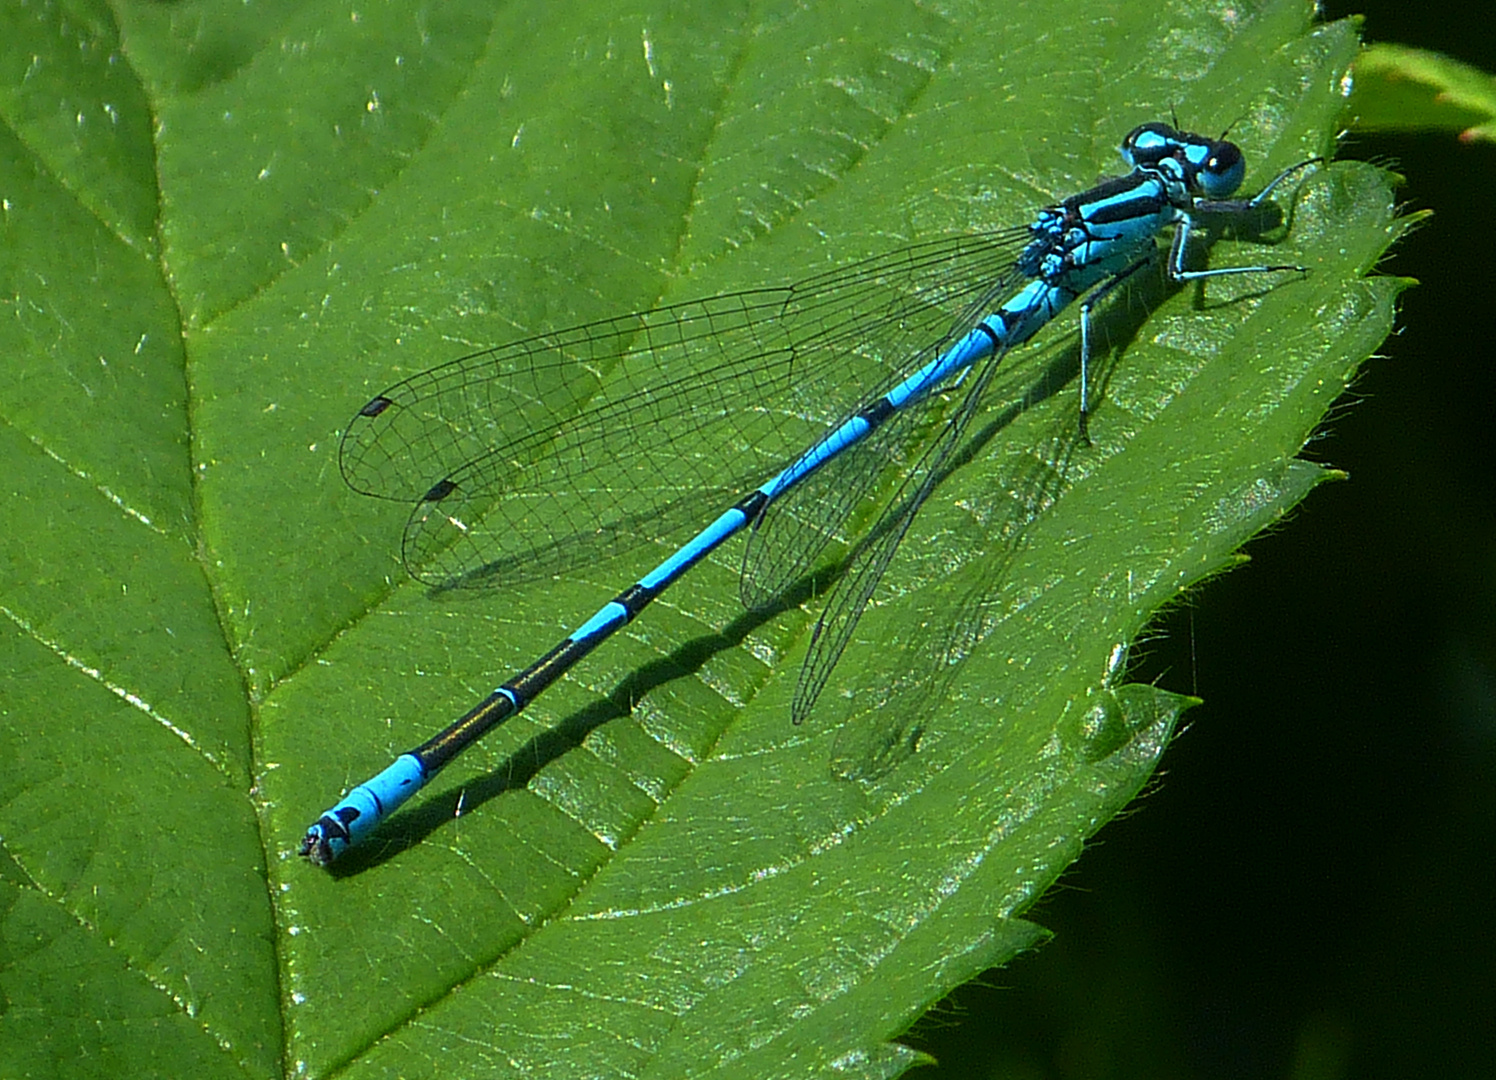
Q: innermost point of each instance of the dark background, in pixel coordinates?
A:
(1307, 891)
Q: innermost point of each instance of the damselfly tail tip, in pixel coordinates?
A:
(316, 848)
(327, 838)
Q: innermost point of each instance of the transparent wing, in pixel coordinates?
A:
(903, 688)
(796, 527)
(870, 560)
(530, 458)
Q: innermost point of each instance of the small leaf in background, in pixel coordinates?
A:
(1397, 88)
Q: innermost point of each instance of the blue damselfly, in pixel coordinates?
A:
(813, 386)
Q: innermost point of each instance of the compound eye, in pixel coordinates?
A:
(1223, 170)
(1148, 144)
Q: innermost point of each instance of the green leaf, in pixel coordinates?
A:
(226, 226)
(1402, 89)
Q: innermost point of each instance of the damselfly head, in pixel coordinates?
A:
(1213, 167)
